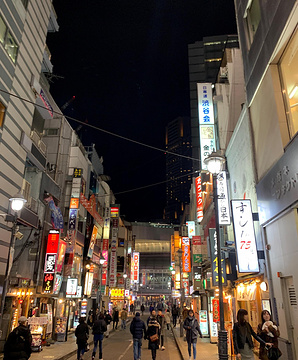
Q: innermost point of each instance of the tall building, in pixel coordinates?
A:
(204, 58)
(178, 169)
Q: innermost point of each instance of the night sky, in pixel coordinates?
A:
(126, 62)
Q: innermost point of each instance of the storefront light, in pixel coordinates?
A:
(60, 301)
(263, 286)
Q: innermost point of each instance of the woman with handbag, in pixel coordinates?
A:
(192, 328)
(82, 335)
(153, 332)
(268, 331)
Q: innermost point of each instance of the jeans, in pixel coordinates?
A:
(123, 324)
(81, 349)
(194, 347)
(115, 324)
(98, 340)
(153, 353)
(137, 345)
(161, 340)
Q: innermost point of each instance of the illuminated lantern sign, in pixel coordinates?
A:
(199, 198)
(215, 307)
(71, 287)
(191, 228)
(50, 262)
(245, 236)
(186, 255)
(117, 293)
(136, 264)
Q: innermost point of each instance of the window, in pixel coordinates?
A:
(289, 73)
(2, 114)
(7, 39)
(252, 16)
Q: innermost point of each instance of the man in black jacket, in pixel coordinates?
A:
(137, 329)
(99, 328)
(18, 343)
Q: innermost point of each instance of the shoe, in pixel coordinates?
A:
(162, 348)
(93, 356)
(189, 358)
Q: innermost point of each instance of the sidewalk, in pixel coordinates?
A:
(205, 350)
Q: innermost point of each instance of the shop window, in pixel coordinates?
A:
(289, 77)
(7, 39)
(2, 114)
(252, 17)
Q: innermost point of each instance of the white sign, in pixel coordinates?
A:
(113, 268)
(223, 199)
(88, 283)
(203, 318)
(205, 103)
(191, 228)
(126, 293)
(71, 286)
(207, 143)
(245, 236)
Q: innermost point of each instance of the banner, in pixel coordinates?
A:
(214, 259)
(186, 262)
(223, 199)
(197, 249)
(136, 266)
(50, 262)
(92, 242)
(215, 310)
(199, 199)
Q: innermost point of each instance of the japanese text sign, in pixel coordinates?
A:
(186, 262)
(214, 259)
(215, 308)
(199, 199)
(136, 265)
(205, 103)
(245, 236)
(223, 199)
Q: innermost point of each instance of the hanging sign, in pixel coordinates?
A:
(215, 312)
(223, 199)
(50, 262)
(245, 236)
(199, 199)
(186, 262)
(214, 259)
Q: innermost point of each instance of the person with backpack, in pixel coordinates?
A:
(18, 343)
(82, 335)
(99, 328)
(137, 328)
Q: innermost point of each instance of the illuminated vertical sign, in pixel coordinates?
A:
(136, 266)
(197, 249)
(206, 121)
(214, 259)
(186, 262)
(50, 262)
(92, 241)
(105, 254)
(223, 199)
(199, 199)
(191, 228)
(245, 236)
(172, 251)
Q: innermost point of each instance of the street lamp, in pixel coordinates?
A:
(215, 164)
(101, 262)
(16, 203)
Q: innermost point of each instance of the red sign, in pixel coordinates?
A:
(53, 240)
(114, 212)
(216, 313)
(136, 263)
(90, 206)
(61, 255)
(74, 203)
(199, 199)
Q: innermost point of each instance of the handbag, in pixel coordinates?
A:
(153, 337)
(274, 353)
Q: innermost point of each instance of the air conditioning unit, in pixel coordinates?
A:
(35, 137)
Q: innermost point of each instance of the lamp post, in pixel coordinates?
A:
(124, 277)
(215, 164)
(101, 262)
(16, 203)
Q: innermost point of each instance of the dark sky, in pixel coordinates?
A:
(126, 62)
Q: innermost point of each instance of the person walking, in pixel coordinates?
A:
(175, 314)
(115, 318)
(137, 329)
(153, 334)
(269, 332)
(108, 319)
(132, 308)
(151, 308)
(162, 322)
(192, 328)
(168, 318)
(82, 335)
(242, 333)
(123, 318)
(142, 309)
(18, 343)
(98, 330)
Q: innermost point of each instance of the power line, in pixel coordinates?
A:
(100, 129)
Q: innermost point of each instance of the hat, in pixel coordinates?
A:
(22, 319)
(138, 314)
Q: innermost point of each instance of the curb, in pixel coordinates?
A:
(177, 342)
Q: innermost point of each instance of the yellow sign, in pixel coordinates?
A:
(117, 293)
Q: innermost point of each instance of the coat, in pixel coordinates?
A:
(108, 318)
(168, 318)
(123, 315)
(192, 328)
(162, 322)
(243, 334)
(116, 316)
(18, 344)
(153, 328)
(82, 333)
(99, 326)
(268, 339)
(137, 328)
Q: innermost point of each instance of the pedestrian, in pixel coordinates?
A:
(151, 308)
(18, 343)
(82, 335)
(184, 313)
(99, 328)
(175, 314)
(108, 320)
(90, 318)
(152, 335)
(123, 318)
(142, 309)
(137, 329)
(132, 308)
(242, 333)
(168, 318)
(153, 314)
(115, 318)
(162, 322)
(269, 332)
(192, 328)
